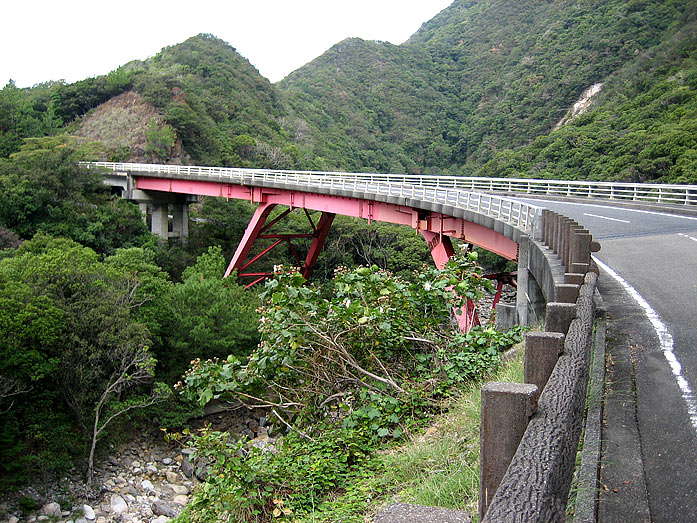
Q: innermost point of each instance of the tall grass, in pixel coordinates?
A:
(441, 467)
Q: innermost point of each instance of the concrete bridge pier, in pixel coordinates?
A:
(180, 220)
(522, 281)
(159, 219)
(157, 213)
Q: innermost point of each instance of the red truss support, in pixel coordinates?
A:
(501, 279)
(259, 229)
(442, 250)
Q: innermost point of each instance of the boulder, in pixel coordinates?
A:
(88, 512)
(180, 499)
(172, 476)
(187, 467)
(118, 504)
(161, 508)
(51, 509)
(179, 489)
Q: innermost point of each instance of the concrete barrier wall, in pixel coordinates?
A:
(534, 485)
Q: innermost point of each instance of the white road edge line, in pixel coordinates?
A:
(665, 339)
(688, 236)
(606, 217)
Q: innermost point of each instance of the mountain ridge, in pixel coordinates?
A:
(477, 90)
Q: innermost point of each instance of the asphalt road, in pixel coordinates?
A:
(649, 465)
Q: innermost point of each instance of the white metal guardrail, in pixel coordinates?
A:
(518, 214)
(462, 192)
(646, 192)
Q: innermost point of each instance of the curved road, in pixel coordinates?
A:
(649, 464)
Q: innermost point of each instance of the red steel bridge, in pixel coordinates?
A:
(438, 213)
(649, 421)
(437, 207)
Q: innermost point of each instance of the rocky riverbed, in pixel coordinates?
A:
(146, 480)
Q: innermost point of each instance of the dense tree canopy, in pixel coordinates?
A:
(70, 344)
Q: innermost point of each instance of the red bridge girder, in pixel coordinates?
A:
(423, 221)
(436, 228)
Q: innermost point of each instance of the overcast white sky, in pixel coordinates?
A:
(72, 40)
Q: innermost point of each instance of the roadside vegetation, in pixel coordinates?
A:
(351, 368)
(436, 464)
(99, 319)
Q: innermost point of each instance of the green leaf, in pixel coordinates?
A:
(373, 413)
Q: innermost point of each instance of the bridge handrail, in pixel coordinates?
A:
(510, 211)
(624, 191)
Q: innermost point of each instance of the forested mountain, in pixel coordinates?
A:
(200, 95)
(480, 78)
(478, 90)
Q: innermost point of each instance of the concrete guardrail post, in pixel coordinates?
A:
(559, 317)
(556, 233)
(581, 249)
(560, 236)
(574, 230)
(546, 226)
(542, 351)
(552, 230)
(574, 278)
(506, 411)
(566, 292)
(564, 239)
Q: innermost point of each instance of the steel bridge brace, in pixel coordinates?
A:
(442, 250)
(259, 229)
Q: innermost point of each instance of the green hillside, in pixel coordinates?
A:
(480, 78)
(643, 128)
(478, 90)
(223, 112)
(213, 97)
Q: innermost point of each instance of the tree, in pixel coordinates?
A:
(69, 334)
(353, 241)
(160, 140)
(44, 189)
(209, 317)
